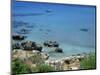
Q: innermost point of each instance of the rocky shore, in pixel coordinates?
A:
(67, 63)
(31, 53)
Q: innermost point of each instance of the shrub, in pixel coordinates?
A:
(19, 67)
(44, 68)
(89, 62)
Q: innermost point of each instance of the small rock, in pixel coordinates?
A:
(45, 56)
(38, 47)
(55, 44)
(74, 68)
(16, 46)
(18, 37)
(51, 44)
(60, 50)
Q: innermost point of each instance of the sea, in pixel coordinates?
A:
(72, 26)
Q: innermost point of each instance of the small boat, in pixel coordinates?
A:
(84, 29)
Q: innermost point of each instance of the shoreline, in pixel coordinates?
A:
(33, 54)
(65, 63)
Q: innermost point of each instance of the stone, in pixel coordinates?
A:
(60, 50)
(51, 44)
(38, 47)
(18, 37)
(74, 68)
(44, 55)
(46, 43)
(16, 46)
(31, 45)
(55, 44)
(28, 45)
(70, 63)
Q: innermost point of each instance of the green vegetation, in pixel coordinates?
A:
(36, 59)
(44, 68)
(89, 62)
(19, 67)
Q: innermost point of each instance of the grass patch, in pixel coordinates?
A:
(44, 68)
(89, 62)
(18, 67)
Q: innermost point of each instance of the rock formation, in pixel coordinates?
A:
(18, 37)
(51, 44)
(60, 50)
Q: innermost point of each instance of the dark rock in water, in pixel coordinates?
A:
(60, 50)
(85, 30)
(18, 37)
(78, 54)
(55, 44)
(30, 45)
(38, 47)
(51, 44)
(16, 46)
(45, 43)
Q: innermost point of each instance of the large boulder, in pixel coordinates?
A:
(30, 45)
(38, 47)
(60, 50)
(46, 43)
(55, 44)
(18, 37)
(51, 44)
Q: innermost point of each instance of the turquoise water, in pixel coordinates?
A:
(68, 50)
(58, 22)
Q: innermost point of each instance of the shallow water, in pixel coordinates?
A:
(62, 24)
